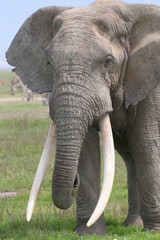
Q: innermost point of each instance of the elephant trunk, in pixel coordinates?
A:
(71, 132)
(72, 114)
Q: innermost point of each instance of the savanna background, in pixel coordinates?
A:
(23, 129)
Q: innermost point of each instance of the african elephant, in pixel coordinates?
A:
(102, 65)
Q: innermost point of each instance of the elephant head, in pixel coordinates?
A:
(94, 60)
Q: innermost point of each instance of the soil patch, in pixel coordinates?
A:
(8, 194)
(15, 99)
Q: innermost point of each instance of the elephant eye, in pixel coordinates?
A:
(109, 61)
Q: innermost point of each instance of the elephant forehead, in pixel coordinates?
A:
(69, 45)
(103, 18)
(78, 13)
(73, 18)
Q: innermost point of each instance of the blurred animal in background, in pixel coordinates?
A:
(45, 98)
(2, 82)
(16, 83)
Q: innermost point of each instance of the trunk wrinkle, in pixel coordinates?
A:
(66, 163)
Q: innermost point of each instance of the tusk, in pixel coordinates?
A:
(47, 154)
(109, 168)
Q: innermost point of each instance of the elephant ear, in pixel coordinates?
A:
(143, 69)
(27, 50)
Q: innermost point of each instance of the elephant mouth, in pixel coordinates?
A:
(108, 175)
(76, 185)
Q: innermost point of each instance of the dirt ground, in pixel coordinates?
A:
(13, 99)
(7, 194)
(10, 99)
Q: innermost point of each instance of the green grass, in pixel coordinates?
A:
(5, 79)
(33, 109)
(22, 141)
(22, 138)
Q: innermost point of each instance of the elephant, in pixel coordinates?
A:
(101, 64)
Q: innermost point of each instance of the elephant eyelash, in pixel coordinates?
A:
(109, 62)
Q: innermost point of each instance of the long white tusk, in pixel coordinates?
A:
(47, 154)
(109, 168)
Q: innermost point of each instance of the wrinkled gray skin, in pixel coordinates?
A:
(104, 58)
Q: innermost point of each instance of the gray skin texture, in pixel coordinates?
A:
(104, 58)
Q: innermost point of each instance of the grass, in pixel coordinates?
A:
(5, 80)
(5, 84)
(31, 109)
(23, 109)
(22, 139)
